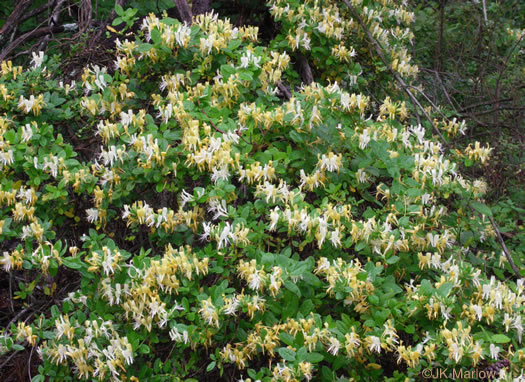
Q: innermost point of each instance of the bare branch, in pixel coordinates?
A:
(183, 11)
(485, 12)
(36, 11)
(284, 90)
(304, 69)
(14, 19)
(31, 35)
(505, 250)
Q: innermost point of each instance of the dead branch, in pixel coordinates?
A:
(379, 51)
(485, 103)
(36, 11)
(84, 17)
(14, 19)
(55, 15)
(505, 250)
(304, 69)
(284, 90)
(183, 11)
(35, 33)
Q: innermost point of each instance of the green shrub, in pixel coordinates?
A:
(216, 227)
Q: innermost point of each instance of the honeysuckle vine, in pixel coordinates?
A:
(280, 237)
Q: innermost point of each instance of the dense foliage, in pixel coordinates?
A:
(218, 226)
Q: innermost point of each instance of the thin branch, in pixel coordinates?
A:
(485, 103)
(497, 109)
(485, 12)
(397, 77)
(505, 250)
(29, 363)
(449, 99)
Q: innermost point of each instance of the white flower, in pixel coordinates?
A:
(6, 158)
(225, 236)
(37, 60)
(182, 35)
(206, 234)
(27, 104)
(221, 173)
(274, 218)
(254, 280)
(92, 215)
(335, 238)
(6, 262)
(218, 207)
(364, 139)
(27, 133)
(494, 351)
(334, 346)
(185, 198)
(456, 352)
(479, 313)
(375, 344)
(419, 132)
(518, 326)
(100, 82)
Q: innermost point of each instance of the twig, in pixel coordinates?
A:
(497, 109)
(485, 104)
(505, 250)
(19, 314)
(498, 82)
(11, 291)
(29, 363)
(397, 77)
(436, 73)
(209, 119)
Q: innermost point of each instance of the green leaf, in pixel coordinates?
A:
(286, 354)
(426, 288)
(292, 288)
(500, 339)
(314, 357)
(72, 262)
(288, 339)
(392, 260)
(144, 47)
(481, 208)
(211, 366)
(119, 10)
(445, 289)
